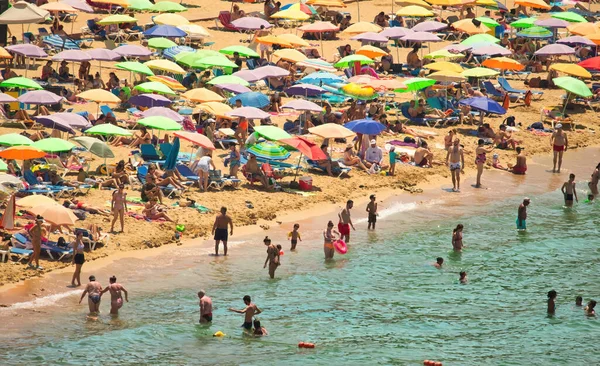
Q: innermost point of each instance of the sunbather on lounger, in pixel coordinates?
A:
(326, 164)
(350, 158)
(150, 191)
(253, 172)
(155, 177)
(154, 211)
(120, 174)
(400, 127)
(78, 205)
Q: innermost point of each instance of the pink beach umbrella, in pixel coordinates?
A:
(133, 51)
(395, 32)
(552, 23)
(302, 105)
(40, 97)
(162, 112)
(72, 55)
(458, 48)
(421, 37)
(270, 72)
(429, 26)
(247, 75)
(234, 88)
(492, 49)
(554, 50)
(576, 40)
(27, 50)
(103, 54)
(251, 23)
(5, 98)
(70, 120)
(249, 113)
(370, 37)
(79, 5)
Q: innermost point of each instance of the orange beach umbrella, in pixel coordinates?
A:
(22, 153)
(503, 63)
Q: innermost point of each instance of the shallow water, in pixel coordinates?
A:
(382, 303)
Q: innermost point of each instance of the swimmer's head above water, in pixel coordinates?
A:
(113, 279)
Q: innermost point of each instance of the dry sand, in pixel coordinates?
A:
(269, 207)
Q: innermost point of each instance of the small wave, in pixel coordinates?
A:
(392, 210)
(41, 301)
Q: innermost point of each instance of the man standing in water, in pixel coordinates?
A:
(249, 312)
(36, 242)
(559, 143)
(568, 190)
(205, 307)
(116, 296)
(93, 290)
(345, 222)
(372, 212)
(455, 159)
(219, 230)
(593, 184)
(522, 214)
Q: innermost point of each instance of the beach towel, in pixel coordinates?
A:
(402, 143)
(196, 206)
(137, 216)
(299, 192)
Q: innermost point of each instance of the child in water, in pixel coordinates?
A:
(579, 301)
(463, 277)
(294, 236)
(258, 330)
(552, 302)
(589, 309)
(372, 211)
(438, 262)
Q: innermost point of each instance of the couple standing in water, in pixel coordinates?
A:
(343, 233)
(94, 292)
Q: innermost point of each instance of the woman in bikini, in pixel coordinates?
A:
(329, 236)
(118, 206)
(480, 160)
(78, 258)
(350, 159)
(153, 211)
(78, 205)
(234, 160)
(120, 174)
(154, 178)
(457, 238)
(272, 257)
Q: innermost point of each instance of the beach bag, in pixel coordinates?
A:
(537, 126)
(374, 169)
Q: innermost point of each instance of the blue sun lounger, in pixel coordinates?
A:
(20, 254)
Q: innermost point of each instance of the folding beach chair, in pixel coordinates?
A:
(225, 20)
(504, 84)
(20, 254)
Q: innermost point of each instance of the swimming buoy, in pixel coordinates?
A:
(219, 334)
(306, 345)
(281, 252)
(340, 246)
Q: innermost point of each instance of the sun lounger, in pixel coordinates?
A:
(58, 164)
(335, 170)
(186, 172)
(216, 179)
(58, 191)
(87, 238)
(168, 191)
(504, 84)
(150, 155)
(429, 122)
(496, 94)
(20, 254)
(56, 252)
(165, 149)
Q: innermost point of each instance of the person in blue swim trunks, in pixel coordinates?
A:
(93, 290)
(522, 214)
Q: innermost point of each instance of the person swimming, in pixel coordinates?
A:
(438, 262)
(552, 302)
(463, 277)
(259, 330)
(589, 309)
(579, 301)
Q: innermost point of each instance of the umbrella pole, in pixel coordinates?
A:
(321, 37)
(297, 168)
(358, 6)
(566, 102)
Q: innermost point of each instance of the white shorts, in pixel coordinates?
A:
(454, 166)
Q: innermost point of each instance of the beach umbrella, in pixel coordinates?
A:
(572, 85)
(554, 50)
(251, 23)
(290, 55)
(4, 54)
(293, 39)
(273, 133)
(362, 27)
(61, 42)
(55, 214)
(414, 11)
(420, 3)
(371, 37)
(448, 2)
(196, 139)
(571, 69)
(165, 65)
(444, 65)
(352, 59)
(460, 47)
(3, 168)
(428, 26)
(79, 5)
(270, 40)
(22, 12)
(20, 82)
(167, 7)
(291, 14)
(388, 84)
(72, 55)
(15, 139)
(479, 38)
(72, 120)
(121, 3)
(103, 54)
(133, 51)
(171, 158)
(320, 78)
(534, 4)
(576, 40)
(592, 63)
(21, 153)
(569, 16)
(483, 104)
(489, 22)
(415, 84)
(5, 98)
(95, 146)
(160, 123)
(479, 72)
(240, 50)
(171, 52)
(366, 126)
(108, 129)
(216, 108)
(595, 38)
(249, 113)
(40, 97)
(161, 43)
(552, 23)
(503, 63)
(317, 64)
(228, 79)
(214, 61)
(327, 3)
(302, 105)
(443, 54)
(307, 9)
(270, 71)
(580, 29)
(269, 151)
(194, 30)
(191, 58)
(490, 50)
(149, 100)
(160, 30)
(535, 32)
(331, 131)
(306, 148)
(252, 99)
(202, 95)
(396, 32)
(467, 26)
(162, 112)
(446, 76)
(421, 37)
(54, 123)
(36, 200)
(154, 87)
(319, 28)
(58, 7)
(371, 51)
(234, 88)
(247, 75)
(139, 5)
(99, 96)
(523, 23)
(117, 19)
(53, 145)
(170, 19)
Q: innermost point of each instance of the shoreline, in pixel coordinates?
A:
(52, 283)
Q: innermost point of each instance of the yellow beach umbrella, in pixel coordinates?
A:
(479, 72)
(594, 37)
(165, 65)
(485, 3)
(121, 3)
(327, 3)
(414, 11)
(443, 54)
(36, 200)
(534, 4)
(217, 108)
(503, 63)
(170, 19)
(99, 96)
(117, 19)
(420, 3)
(362, 27)
(202, 95)
(584, 29)
(446, 2)
(467, 26)
(290, 54)
(371, 51)
(294, 40)
(445, 65)
(58, 6)
(446, 76)
(291, 14)
(4, 54)
(168, 81)
(271, 40)
(571, 69)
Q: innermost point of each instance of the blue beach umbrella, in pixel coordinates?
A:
(321, 78)
(365, 126)
(484, 104)
(171, 52)
(164, 31)
(59, 42)
(251, 99)
(171, 159)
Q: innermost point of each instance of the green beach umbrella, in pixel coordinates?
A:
(167, 7)
(214, 61)
(572, 85)
(479, 72)
(94, 146)
(443, 54)
(160, 123)
(569, 16)
(15, 139)
(351, 59)
(272, 133)
(134, 66)
(415, 84)
(53, 145)
(20, 82)
(479, 38)
(155, 87)
(535, 32)
(488, 22)
(269, 150)
(228, 79)
(3, 166)
(241, 50)
(139, 5)
(108, 129)
(161, 43)
(523, 23)
(190, 58)
(117, 19)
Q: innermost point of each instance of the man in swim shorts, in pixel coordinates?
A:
(593, 184)
(205, 307)
(522, 214)
(219, 230)
(372, 210)
(559, 143)
(345, 222)
(568, 190)
(455, 158)
(93, 290)
(249, 312)
(116, 296)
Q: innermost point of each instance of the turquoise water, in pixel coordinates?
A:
(382, 303)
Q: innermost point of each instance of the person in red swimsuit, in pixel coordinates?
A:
(559, 143)
(345, 222)
(521, 167)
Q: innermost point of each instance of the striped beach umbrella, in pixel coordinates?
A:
(57, 41)
(268, 150)
(170, 53)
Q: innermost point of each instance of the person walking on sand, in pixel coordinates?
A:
(116, 295)
(219, 230)
(522, 214)
(78, 258)
(457, 238)
(552, 302)
(329, 236)
(345, 222)
(568, 190)
(559, 143)
(372, 210)
(294, 236)
(205, 307)
(118, 206)
(480, 160)
(593, 184)
(36, 241)
(93, 290)
(272, 257)
(455, 159)
(249, 312)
